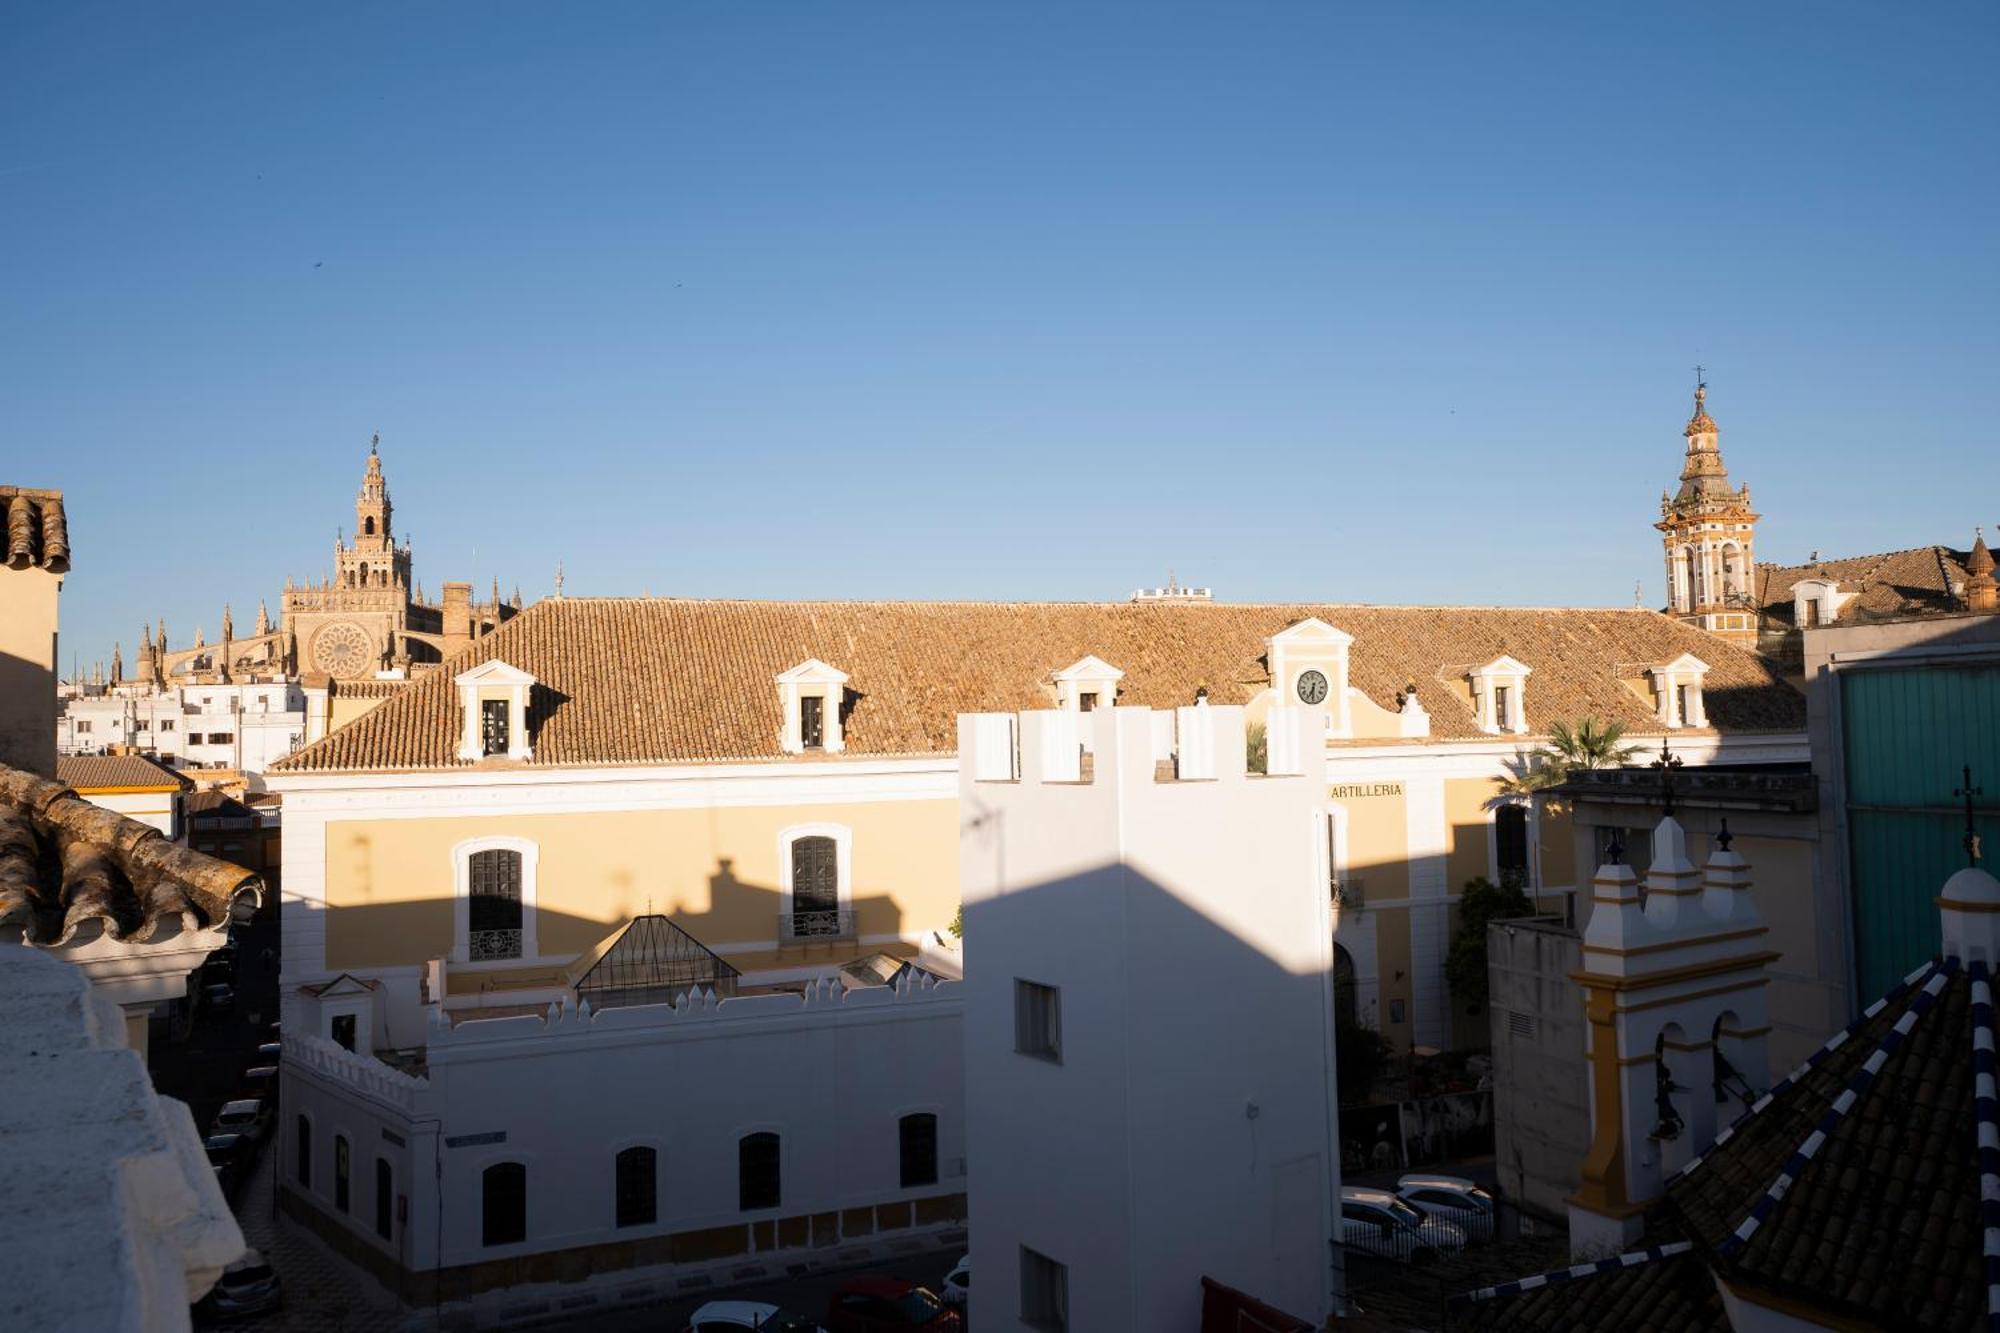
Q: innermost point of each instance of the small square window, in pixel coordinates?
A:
(1044, 1292)
(1038, 1020)
(1503, 707)
(1086, 701)
(1396, 1011)
(343, 1031)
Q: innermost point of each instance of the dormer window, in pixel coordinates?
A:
(493, 729)
(810, 695)
(1087, 685)
(1677, 700)
(1499, 696)
(1817, 601)
(493, 702)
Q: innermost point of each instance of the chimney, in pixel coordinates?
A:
(457, 616)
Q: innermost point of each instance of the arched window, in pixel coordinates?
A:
(1510, 844)
(364, 573)
(368, 525)
(385, 1198)
(918, 1134)
(638, 1187)
(758, 1183)
(1346, 992)
(815, 886)
(302, 1133)
(504, 1204)
(494, 911)
(340, 1176)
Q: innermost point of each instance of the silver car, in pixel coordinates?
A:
(1378, 1223)
(1452, 1199)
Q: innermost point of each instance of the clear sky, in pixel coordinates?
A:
(1303, 301)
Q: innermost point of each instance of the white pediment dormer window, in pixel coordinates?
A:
(1309, 670)
(493, 707)
(1817, 601)
(1677, 700)
(1090, 684)
(811, 694)
(1500, 696)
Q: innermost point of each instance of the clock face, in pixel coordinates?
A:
(343, 649)
(1312, 687)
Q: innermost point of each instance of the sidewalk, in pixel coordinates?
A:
(323, 1292)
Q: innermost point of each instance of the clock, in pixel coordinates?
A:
(343, 649)
(1312, 687)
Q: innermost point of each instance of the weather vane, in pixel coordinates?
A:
(1667, 763)
(1971, 840)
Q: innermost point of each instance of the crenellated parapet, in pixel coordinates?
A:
(699, 1010)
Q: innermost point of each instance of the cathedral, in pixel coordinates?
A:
(368, 621)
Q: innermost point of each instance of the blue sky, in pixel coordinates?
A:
(998, 301)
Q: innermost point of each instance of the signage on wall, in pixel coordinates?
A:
(475, 1140)
(1356, 791)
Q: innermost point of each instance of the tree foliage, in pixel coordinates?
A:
(1571, 749)
(1360, 1057)
(1482, 903)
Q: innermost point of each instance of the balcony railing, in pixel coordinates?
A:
(488, 945)
(817, 923)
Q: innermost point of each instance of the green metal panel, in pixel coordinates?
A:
(1909, 732)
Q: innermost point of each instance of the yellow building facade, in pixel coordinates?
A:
(779, 779)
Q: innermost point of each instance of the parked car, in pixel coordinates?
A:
(735, 1316)
(247, 1287)
(958, 1282)
(888, 1305)
(221, 997)
(270, 1052)
(261, 1082)
(227, 1153)
(1453, 1199)
(1377, 1222)
(248, 1117)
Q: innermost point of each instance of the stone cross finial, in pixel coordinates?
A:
(1667, 763)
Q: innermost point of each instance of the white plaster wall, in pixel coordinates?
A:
(832, 1078)
(1188, 1129)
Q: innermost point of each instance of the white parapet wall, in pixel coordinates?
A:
(833, 1073)
(1177, 913)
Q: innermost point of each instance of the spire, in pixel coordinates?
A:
(163, 634)
(228, 624)
(1703, 475)
(263, 618)
(145, 640)
(496, 594)
(199, 640)
(1982, 593)
(117, 664)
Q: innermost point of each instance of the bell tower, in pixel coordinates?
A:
(1708, 531)
(373, 560)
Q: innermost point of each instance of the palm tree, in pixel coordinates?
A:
(1571, 749)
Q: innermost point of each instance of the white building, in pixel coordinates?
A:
(130, 785)
(1149, 1020)
(246, 726)
(602, 1134)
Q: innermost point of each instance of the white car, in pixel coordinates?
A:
(1376, 1222)
(1452, 1199)
(958, 1281)
(737, 1316)
(249, 1118)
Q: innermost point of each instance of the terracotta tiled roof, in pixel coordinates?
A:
(1892, 586)
(664, 680)
(1649, 1293)
(97, 772)
(1855, 1190)
(36, 533)
(64, 862)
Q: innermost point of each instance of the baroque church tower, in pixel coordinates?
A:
(1708, 531)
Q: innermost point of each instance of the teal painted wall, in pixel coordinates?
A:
(1909, 731)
